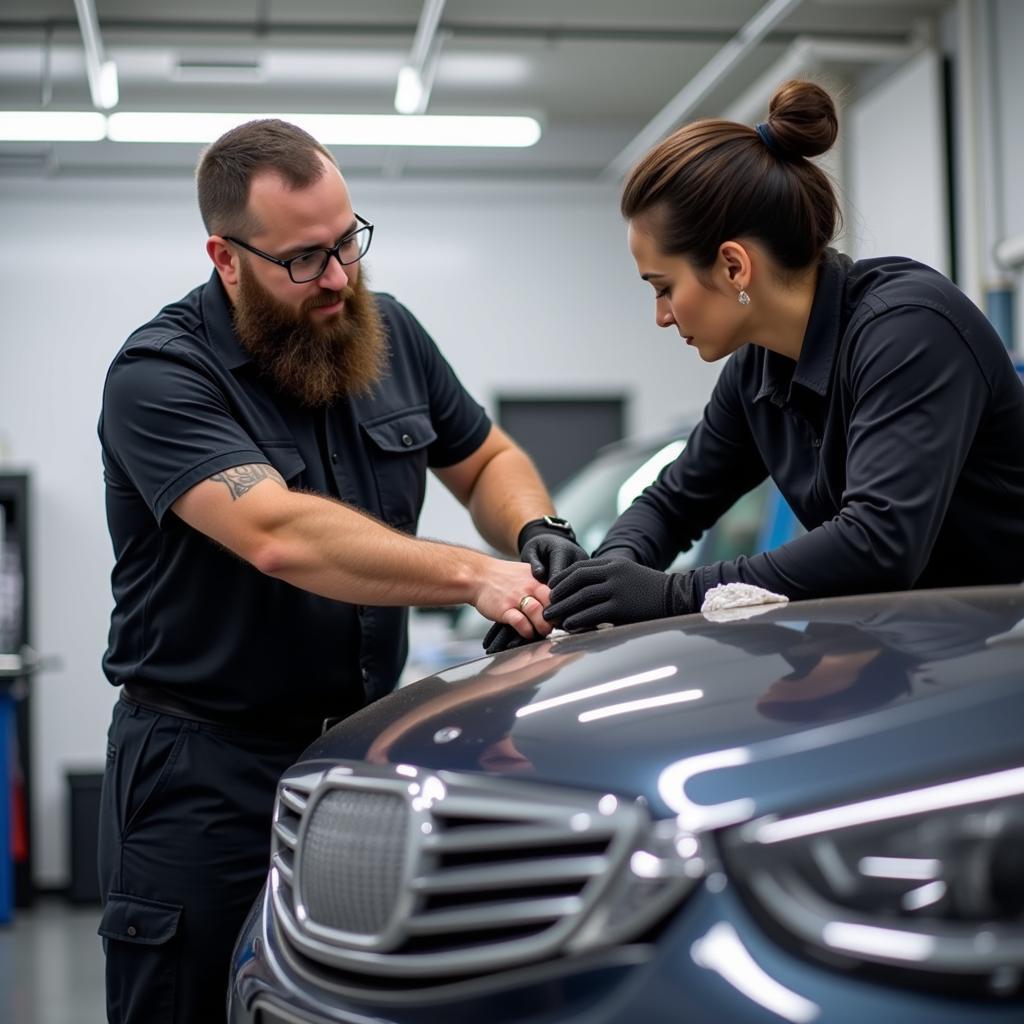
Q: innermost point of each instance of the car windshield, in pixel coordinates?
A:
(600, 492)
(594, 498)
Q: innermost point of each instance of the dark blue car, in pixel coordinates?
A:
(801, 812)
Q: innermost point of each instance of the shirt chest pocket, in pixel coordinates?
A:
(285, 458)
(397, 449)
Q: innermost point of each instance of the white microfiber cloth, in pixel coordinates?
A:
(730, 601)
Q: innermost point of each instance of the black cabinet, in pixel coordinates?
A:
(84, 800)
(15, 635)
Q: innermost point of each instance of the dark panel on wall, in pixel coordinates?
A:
(561, 433)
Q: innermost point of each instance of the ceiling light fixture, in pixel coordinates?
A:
(330, 129)
(335, 129)
(52, 126)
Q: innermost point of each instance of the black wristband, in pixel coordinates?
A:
(546, 524)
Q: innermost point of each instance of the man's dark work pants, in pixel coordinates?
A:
(185, 821)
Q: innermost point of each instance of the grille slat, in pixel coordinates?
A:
(483, 838)
(493, 915)
(502, 876)
(509, 811)
(287, 833)
(284, 866)
(293, 799)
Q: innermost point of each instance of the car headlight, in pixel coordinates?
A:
(928, 880)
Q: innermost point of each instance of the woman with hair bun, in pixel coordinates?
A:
(876, 396)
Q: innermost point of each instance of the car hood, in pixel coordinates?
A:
(718, 718)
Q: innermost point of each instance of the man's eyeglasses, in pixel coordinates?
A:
(308, 266)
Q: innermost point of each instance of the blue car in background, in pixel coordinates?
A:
(801, 812)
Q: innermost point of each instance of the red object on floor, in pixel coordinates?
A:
(19, 810)
(19, 822)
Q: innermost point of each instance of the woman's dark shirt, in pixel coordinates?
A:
(897, 438)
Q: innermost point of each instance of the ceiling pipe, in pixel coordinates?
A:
(102, 73)
(716, 69)
(416, 78)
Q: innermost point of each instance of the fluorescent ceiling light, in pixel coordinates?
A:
(335, 129)
(409, 91)
(52, 126)
(330, 129)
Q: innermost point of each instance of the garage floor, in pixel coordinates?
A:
(51, 966)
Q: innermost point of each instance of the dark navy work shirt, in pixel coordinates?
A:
(897, 438)
(182, 402)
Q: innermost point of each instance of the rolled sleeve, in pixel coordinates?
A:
(166, 426)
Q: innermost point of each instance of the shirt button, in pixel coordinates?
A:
(366, 673)
(131, 930)
(406, 440)
(334, 456)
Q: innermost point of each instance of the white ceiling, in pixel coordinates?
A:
(594, 73)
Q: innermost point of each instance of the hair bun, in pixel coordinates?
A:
(802, 118)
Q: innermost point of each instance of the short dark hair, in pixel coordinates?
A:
(227, 167)
(715, 180)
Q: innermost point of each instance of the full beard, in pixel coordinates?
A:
(315, 363)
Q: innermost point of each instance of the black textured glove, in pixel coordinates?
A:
(548, 550)
(549, 554)
(617, 591)
(504, 638)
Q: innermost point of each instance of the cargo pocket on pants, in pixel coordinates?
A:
(142, 958)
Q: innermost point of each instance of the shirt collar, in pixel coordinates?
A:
(220, 324)
(813, 370)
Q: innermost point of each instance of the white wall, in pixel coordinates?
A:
(525, 288)
(1007, 69)
(897, 198)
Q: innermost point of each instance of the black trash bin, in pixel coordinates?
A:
(83, 831)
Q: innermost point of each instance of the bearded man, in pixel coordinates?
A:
(265, 447)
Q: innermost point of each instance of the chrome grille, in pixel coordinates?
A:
(481, 873)
(352, 860)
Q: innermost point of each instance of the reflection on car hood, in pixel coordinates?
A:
(699, 717)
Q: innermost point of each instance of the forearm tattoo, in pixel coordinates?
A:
(240, 479)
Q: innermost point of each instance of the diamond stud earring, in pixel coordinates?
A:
(744, 299)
